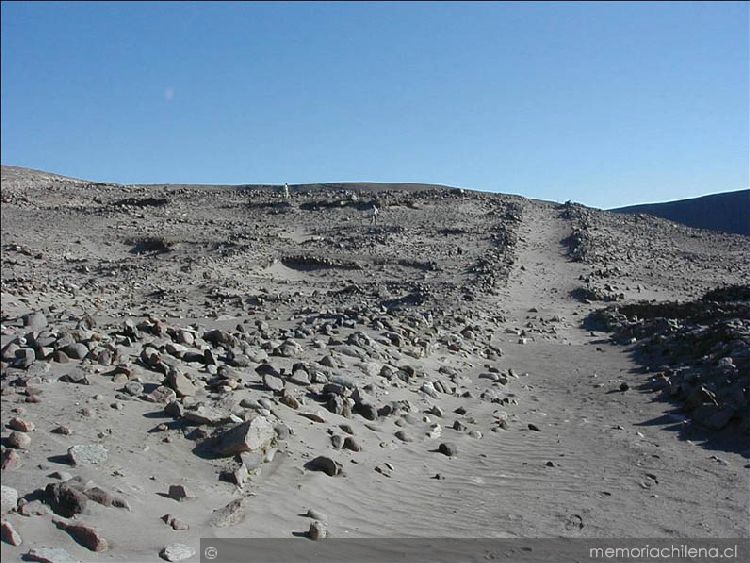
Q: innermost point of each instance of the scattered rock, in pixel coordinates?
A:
(65, 499)
(10, 460)
(255, 434)
(50, 555)
(180, 383)
(324, 464)
(337, 441)
(179, 493)
(34, 508)
(176, 552)
(404, 436)
(230, 515)
(273, 383)
(20, 424)
(351, 444)
(174, 522)
(87, 536)
(8, 499)
(8, 533)
(317, 515)
(314, 416)
(35, 321)
(91, 454)
(448, 448)
(19, 440)
(317, 531)
(385, 469)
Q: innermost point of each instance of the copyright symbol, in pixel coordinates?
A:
(211, 553)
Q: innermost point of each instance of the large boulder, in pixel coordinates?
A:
(253, 435)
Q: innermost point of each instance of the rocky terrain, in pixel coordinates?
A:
(196, 361)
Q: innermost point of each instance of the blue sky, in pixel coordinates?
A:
(603, 103)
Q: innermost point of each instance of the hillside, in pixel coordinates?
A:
(183, 362)
(726, 212)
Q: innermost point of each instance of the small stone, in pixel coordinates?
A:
(133, 388)
(35, 322)
(324, 464)
(273, 383)
(50, 555)
(9, 534)
(91, 454)
(65, 499)
(19, 440)
(179, 492)
(60, 357)
(20, 424)
(180, 383)
(174, 522)
(87, 536)
(34, 508)
(230, 515)
(624, 386)
(290, 400)
(385, 469)
(435, 432)
(337, 441)
(282, 431)
(317, 515)
(99, 496)
(64, 430)
(435, 410)
(9, 352)
(8, 499)
(314, 416)
(404, 436)
(351, 444)
(459, 426)
(533, 427)
(317, 530)
(76, 351)
(25, 357)
(76, 375)
(448, 448)
(300, 377)
(10, 459)
(161, 394)
(176, 552)
(240, 475)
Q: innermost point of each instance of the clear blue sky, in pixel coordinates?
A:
(606, 104)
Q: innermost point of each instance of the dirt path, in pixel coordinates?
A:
(604, 443)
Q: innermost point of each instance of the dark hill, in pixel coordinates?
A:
(728, 212)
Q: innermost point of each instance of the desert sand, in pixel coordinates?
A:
(219, 361)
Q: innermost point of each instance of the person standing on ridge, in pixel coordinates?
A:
(374, 215)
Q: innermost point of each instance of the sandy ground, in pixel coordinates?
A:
(603, 463)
